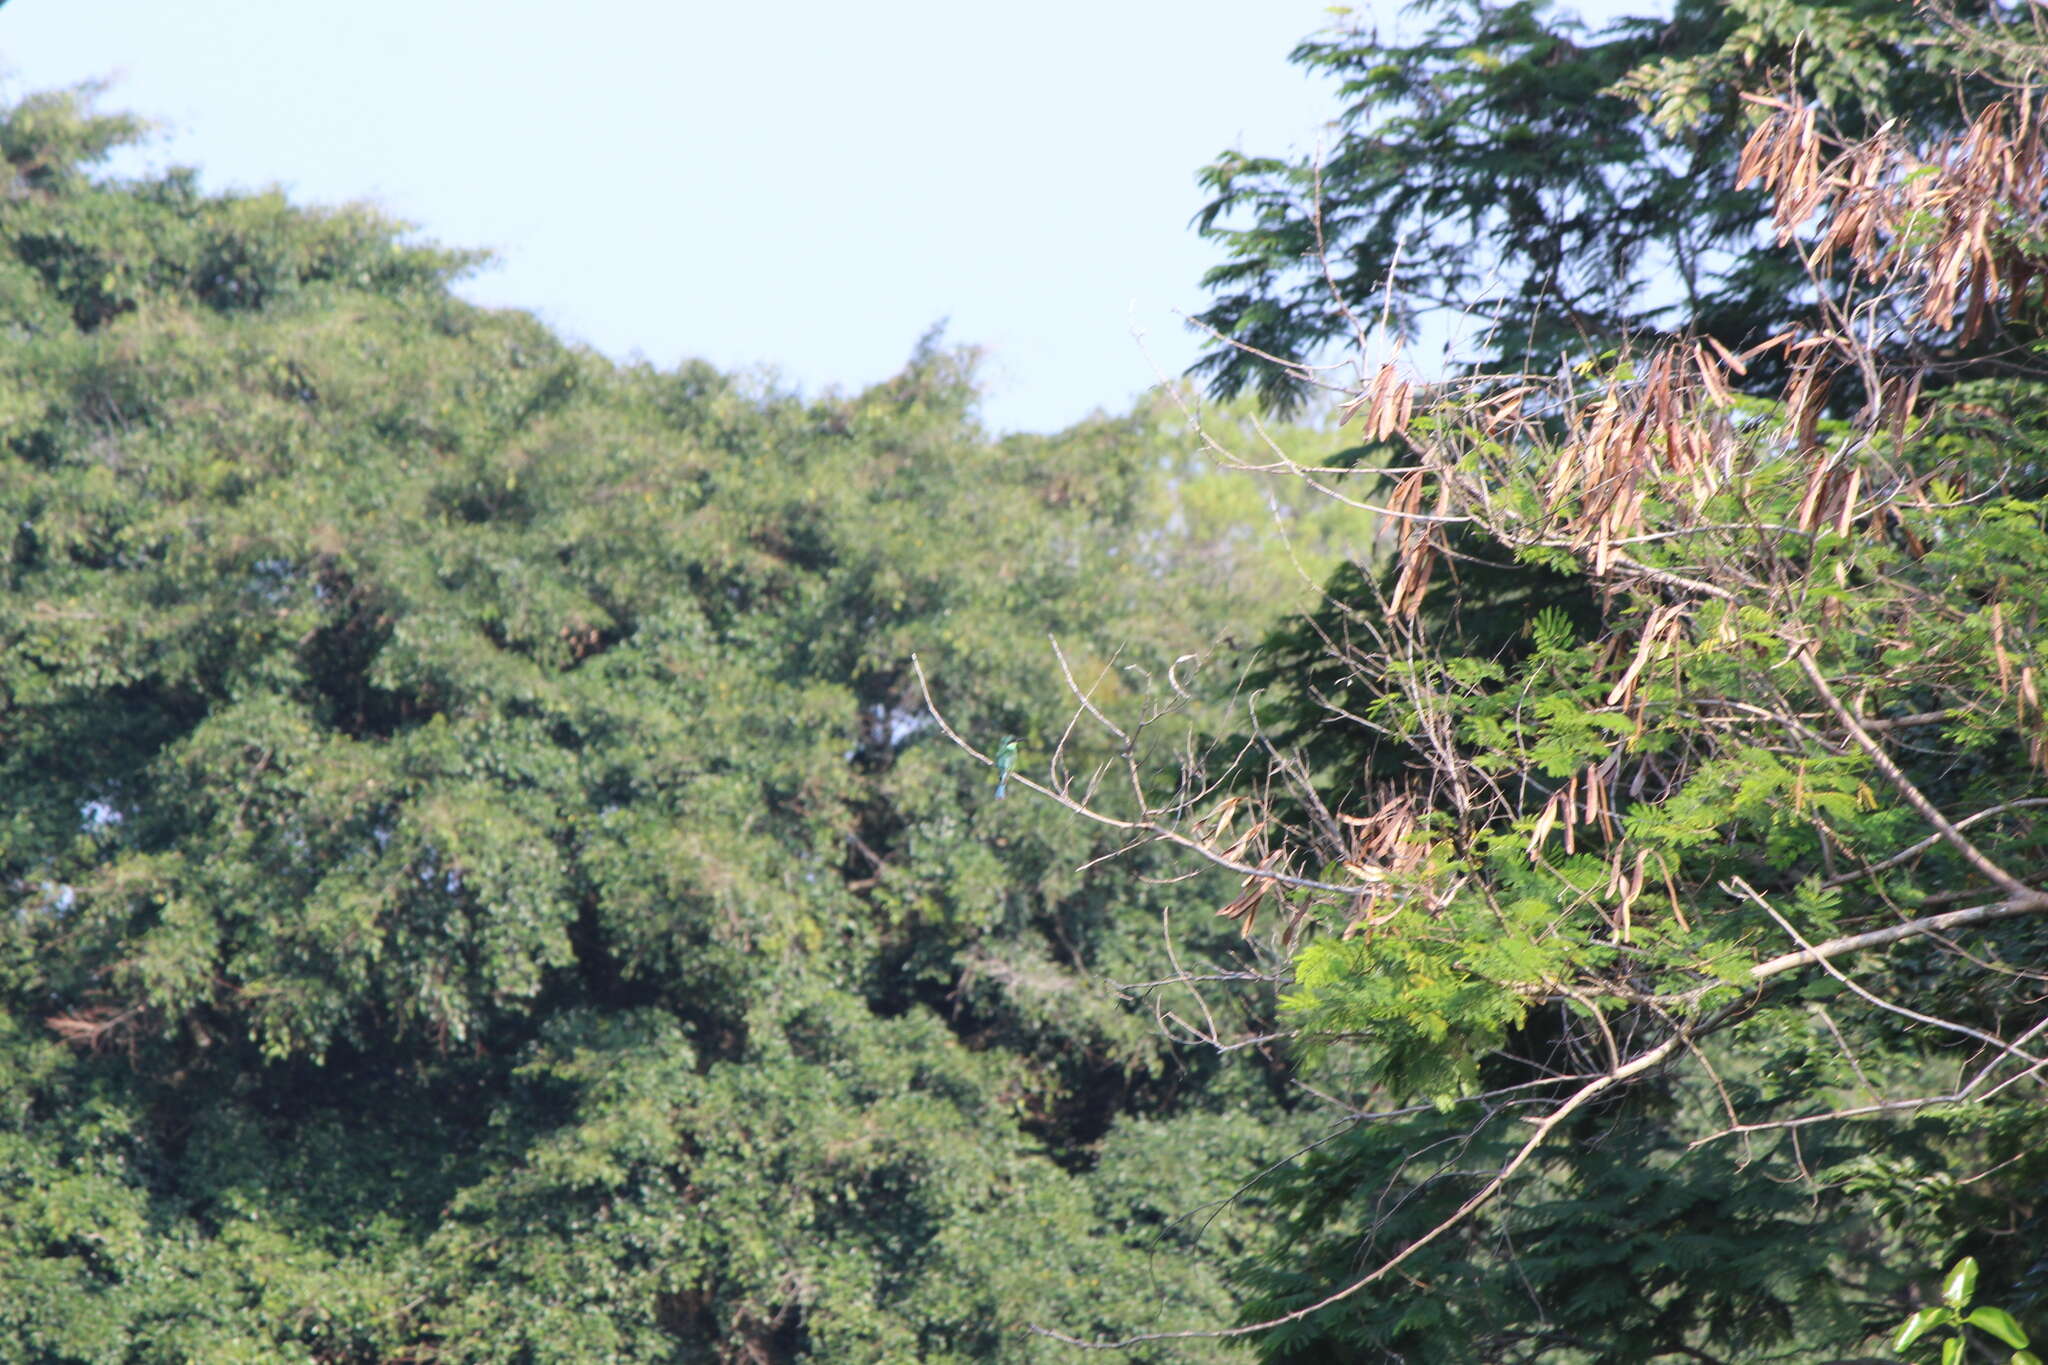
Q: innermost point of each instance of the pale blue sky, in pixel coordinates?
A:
(803, 186)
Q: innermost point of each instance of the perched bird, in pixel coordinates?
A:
(1006, 760)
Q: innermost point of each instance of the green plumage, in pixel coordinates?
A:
(1006, 762)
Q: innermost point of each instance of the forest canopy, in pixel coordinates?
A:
(482, 888)
(505, 847)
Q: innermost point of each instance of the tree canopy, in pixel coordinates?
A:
(1561, 190)
(504, 846)
(482, 888)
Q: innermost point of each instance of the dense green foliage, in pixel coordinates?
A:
(1962, 1324)
(486, 884)
(480, 887)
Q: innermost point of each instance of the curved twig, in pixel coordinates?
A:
(1545, 1126)
(1159, 832)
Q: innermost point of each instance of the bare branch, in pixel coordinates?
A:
(1544, 1126)
(2033, 903)
(1913, 851)
(1802, 651)
(1827, 965)
(1159, 831)
(1081, 696)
